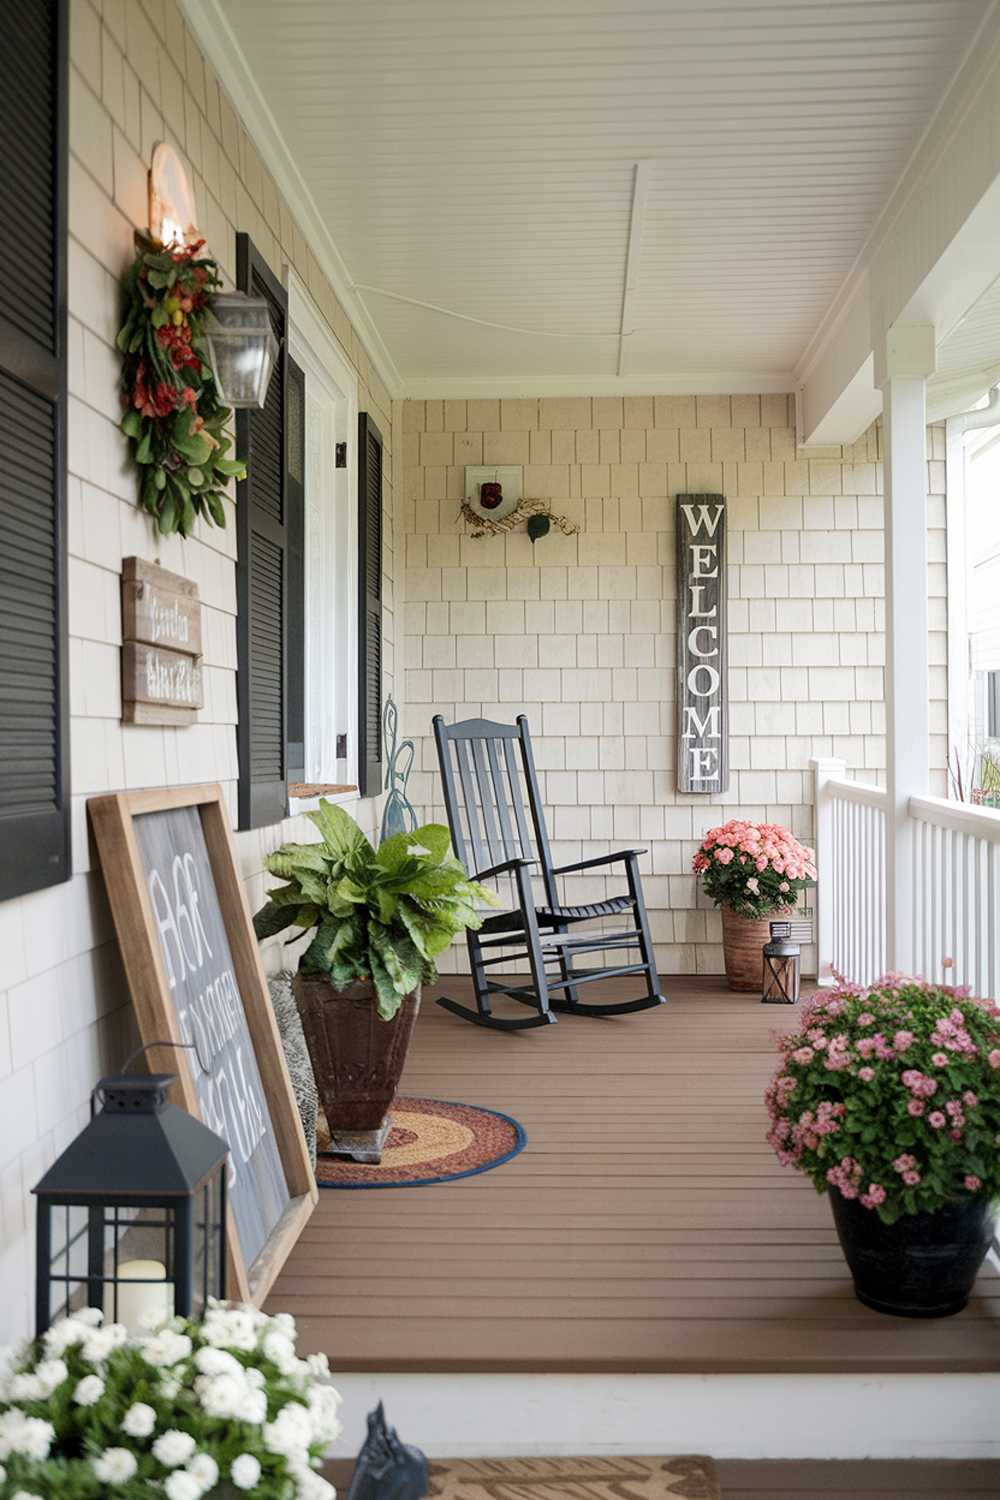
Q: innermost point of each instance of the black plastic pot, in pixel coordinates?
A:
(924, 1265)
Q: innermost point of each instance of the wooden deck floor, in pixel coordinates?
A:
(646, 1226)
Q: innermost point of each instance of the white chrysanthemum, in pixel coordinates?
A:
(101, 1342)
(319, 1365)
(213, 1361)
(90, 1317)
(152, 1320)
(165, 1348)
(25, 1386)
(174, 1448)
(324, 1411)
(115, 1466)
(139, 1421)
(284, 1323)
(170, 1385)
(205, 1469)
(253, 1407)
(221, 1395)
(62, 1335)
(245, 1471)
(50, 1374)
(310, 1486)
(180, 1485)
(280, 1350)
(290, 1433)
(30, 1436)
(25, 1495)
(230, 1328)
(89, 1390)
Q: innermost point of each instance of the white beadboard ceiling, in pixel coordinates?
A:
(487, 160)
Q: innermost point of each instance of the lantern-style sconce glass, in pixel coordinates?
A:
(242, 348)
(782, 966)
(132, 1216)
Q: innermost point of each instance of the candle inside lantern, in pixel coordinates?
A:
(143, 1291)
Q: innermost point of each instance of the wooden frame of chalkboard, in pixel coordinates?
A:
(169, 925)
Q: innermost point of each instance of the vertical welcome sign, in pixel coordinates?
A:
(702, 688)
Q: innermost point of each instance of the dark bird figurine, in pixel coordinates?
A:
(387, 1469)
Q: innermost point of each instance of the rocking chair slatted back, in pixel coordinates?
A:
(487, 768)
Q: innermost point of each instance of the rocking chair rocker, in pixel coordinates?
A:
(483, 766)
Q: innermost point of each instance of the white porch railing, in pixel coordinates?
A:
(955, 884)
(850, 858)
(956, 893)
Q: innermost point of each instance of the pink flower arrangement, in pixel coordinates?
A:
(891, 1096)
(754, 868)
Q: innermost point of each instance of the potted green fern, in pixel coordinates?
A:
(379, 919)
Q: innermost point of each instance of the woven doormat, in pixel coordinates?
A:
(431, 1140)
(614, 1478)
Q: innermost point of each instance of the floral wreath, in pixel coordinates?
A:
(174, 422)
(537, 513)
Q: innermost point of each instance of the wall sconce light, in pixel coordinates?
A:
(172, 218)
(242, 348)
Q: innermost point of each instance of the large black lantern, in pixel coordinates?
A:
(132, 1216)
(782, 966)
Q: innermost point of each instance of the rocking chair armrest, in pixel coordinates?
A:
(599, 859)
(504, 869)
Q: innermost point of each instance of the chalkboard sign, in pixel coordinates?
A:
(702, 686)
(194, 970)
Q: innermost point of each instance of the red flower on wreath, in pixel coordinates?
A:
(177, 342)
(158, 400)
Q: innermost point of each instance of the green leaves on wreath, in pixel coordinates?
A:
(183, 466)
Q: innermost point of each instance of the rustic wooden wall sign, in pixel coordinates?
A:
(161, 646)
(194, 970)
(702, 687)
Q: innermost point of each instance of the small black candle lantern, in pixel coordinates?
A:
(782, 966)
(132, 1216)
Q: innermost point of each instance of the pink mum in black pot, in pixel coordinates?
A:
(888, 1098)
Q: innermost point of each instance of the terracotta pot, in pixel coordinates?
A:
(357, 1058)
(743, 940)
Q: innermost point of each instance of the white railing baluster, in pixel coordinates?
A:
(956, 890)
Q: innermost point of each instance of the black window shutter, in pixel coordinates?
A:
(295, 408)
(262, 571)
(34, 709)
(370, 452)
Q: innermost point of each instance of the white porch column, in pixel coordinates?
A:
(908, 360)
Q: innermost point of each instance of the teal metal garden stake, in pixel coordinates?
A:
(398, 816)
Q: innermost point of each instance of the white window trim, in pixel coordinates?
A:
(329, 375)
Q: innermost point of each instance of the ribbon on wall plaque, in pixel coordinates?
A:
(702, 687)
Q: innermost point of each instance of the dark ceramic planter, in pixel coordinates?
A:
(357, 1058)
(924, 1265)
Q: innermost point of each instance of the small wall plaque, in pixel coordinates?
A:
(702, 687)
(161, 646)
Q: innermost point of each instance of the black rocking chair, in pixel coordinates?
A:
(483, 766)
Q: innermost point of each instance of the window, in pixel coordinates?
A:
(993, 705)
(329, 619)
(34, 759)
